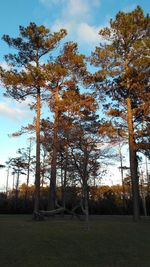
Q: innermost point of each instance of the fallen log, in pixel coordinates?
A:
(71, 212)
(51, 212)
(41, 214)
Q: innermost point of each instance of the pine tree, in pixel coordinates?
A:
(65, 72)
(124, 65)
(26, 78)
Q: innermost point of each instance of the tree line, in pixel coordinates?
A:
(89, 112)
(102, 200)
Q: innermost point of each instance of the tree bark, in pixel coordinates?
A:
(52, 190)
(17, 189)
(133, 163)
(122, 178)
(28, 172)
(65, 178)
(37, 173)
(7, 181)
(86, 202)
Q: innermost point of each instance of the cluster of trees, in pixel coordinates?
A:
(89, 111)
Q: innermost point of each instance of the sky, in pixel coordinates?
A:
(82, 19)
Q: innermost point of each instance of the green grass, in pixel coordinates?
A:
(111, 242)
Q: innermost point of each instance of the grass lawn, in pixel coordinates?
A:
(111, 242)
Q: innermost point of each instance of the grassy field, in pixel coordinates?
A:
(111, 242)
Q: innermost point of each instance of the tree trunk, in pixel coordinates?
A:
(143, 194)
(122, 178)
(17, 190)
(86, 202)
(28, 172)
(13, 185)
(133, 163)
(7, 181)
(52, 191)
(37, 173)
(65, 178)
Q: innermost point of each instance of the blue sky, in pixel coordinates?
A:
(81, 18)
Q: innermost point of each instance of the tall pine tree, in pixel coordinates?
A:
(124, 64)
(26, 78)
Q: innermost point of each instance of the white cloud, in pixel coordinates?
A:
(77, 5)
(77, 9)
(17, 112)
(76, 16)
(88, 33)
(83, 32)
(60, 24)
